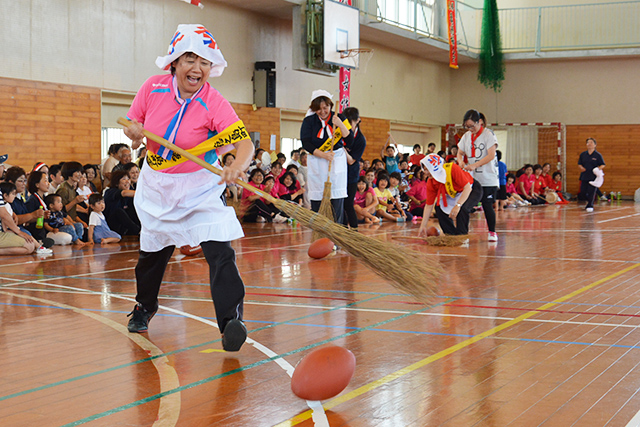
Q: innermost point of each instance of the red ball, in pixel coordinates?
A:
(190, 250)
(323, 373)
(433, 231)
(321, 248)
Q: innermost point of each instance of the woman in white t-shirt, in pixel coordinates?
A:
(479, 146)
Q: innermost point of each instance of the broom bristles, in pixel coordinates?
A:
(441, 240)
(407, 270)
(396, 264)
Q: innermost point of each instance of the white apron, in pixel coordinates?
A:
(182, 209)
(317, 169)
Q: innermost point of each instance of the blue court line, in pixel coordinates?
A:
(336, 291)
(125, 365)
(244, 368)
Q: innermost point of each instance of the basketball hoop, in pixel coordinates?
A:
(354, 56)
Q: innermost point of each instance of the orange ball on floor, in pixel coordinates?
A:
(190, 250)
(323, 373)
(321, 248)
(433, 231)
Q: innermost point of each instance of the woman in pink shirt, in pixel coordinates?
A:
(178, 202)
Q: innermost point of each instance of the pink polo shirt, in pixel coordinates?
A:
(155, 106)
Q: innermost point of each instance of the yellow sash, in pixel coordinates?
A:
(331, 141)
(234, 133)
(449, 183)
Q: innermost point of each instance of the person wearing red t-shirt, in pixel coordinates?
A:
(455, 205)
(415, 158)
(289, 188)
(539, 183)
(417, 194)
(546, 168)
(525, 185)
(556, 185)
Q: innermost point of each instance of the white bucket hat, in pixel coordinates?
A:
(197, 39)
(435, 166)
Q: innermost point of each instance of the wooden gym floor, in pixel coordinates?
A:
(541, 328)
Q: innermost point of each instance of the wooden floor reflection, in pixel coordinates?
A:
(541, 328)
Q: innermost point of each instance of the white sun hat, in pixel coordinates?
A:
(197, 39)
(435, 165)
(320, 92)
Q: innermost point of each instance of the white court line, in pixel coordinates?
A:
(319, 416)
(367, 310)
(615, 219)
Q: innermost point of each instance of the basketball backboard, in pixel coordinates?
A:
(341, 24)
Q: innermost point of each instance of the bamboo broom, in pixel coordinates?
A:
(326, 208)
(408, 271)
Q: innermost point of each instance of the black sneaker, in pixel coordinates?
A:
(140, 318)
(234, 335)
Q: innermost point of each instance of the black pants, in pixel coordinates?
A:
(338, 208)
(227, 288)
(124, 221)
(589, 192)
(488, 198)
(461, 225)
(349, 210)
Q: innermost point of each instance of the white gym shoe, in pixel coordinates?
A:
(279, 219)
(493, 236)
(589, 209)
(43, 251)
(260, 219)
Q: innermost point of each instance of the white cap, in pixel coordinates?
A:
(197, 39)
(435, 165)
(320, 92)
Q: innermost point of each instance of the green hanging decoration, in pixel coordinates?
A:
(491, 66)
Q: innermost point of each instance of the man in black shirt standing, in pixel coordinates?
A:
(589, 160)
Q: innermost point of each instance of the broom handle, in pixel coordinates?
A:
(196, 159)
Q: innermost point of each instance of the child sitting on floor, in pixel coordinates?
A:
(99, 231)
(13, 241)
(513, 198)
(365, 202)
(556, 185)
(388, 206)
(60, 222)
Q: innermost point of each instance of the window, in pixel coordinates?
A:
(112, 136)
(287, 145)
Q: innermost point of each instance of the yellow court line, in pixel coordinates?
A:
(446, 352)
(169, 408)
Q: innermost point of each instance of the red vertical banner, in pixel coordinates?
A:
(345, 88)
(453, 38)
(345, 81)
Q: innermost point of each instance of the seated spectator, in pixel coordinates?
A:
(82, 208)
(133, 171)
(55, 178)
(38, 185)
(282, 159)
(93, 178)
(362, 169)
(397, 190)
(3, 158)
(110, 162)
(539, 184)
(99, 231)
(367, 165)
(370, 177)
(417, 194)
(556, 185)
(13, 241)
(525, 186)
(24, 217)
(365, 202)
(72, 172)
(513, 198)
(40, 167)
(388, 207)
(119, 209)
(124, 154)
(415, 158)
(62, 229)
(452, 155)
(289, 188)
(255, 208)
